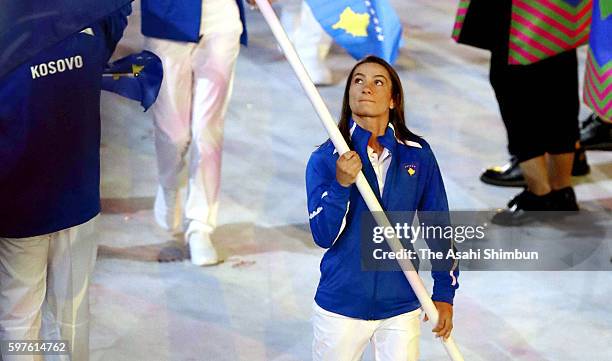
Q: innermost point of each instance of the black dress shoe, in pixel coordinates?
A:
(580, 166)
(508, 175)
(511, 175)
(596, 134)
(525, 208)
(564, 200)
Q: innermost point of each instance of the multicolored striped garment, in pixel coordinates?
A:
(541, 28)
(460, 19)
(598, 78)
(544, 28)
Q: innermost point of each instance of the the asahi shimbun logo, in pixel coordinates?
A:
(56, 66)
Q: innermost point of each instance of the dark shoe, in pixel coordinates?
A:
(596, 134)
(581, 166)
(564, 200)
(508, 175)
(525, 208)
(511, 175)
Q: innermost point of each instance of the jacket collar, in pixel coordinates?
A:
(360, 137)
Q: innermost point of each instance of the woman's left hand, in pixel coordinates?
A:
(445, 320)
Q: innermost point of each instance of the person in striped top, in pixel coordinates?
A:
(534, 73)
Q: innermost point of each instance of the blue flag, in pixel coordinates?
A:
(137, 77)
(29, 26)
(362, 27)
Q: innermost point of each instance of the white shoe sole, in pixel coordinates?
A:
(202, 251)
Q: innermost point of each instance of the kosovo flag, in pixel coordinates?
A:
(362, 27)
(137, 77)
(23, 21)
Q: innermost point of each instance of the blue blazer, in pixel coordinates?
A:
(50, 144)
(178, 19)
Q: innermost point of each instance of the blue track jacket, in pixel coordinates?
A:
(178, 20)
(335, 216)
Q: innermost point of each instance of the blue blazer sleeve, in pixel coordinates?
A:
(113, 26)
(433, 210)
(328, 201)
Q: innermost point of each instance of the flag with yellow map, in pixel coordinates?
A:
(362, 27)
(137, 77)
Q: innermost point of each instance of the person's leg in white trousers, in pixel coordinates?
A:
(311, 41)
(397, 338)
(340, 338)
(44, 289)
(172, 117)
(189, 117)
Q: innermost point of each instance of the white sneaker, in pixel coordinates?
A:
(202, 251)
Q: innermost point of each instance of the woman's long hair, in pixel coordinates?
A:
(396, 115)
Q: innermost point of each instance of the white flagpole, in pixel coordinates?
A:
(362, 184)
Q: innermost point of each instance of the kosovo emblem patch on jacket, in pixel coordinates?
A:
(411, 169)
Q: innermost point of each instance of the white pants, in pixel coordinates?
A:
(340, 338)
(310, 40)
(189, 115)
(44, 289)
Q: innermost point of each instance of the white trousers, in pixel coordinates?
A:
(44, 289)
(341, 338)
(189, 116)
(310, 40)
